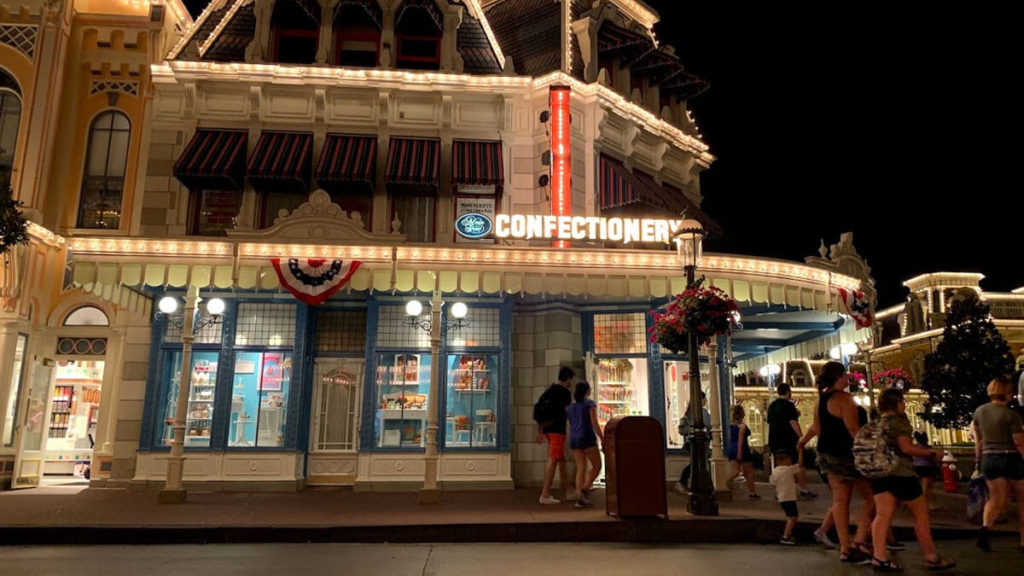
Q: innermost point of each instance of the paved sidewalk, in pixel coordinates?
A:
(93, 515)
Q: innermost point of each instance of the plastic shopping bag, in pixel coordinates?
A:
(977, 494)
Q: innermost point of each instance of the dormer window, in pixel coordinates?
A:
(418, 28)
(295, 29)
(357, 27)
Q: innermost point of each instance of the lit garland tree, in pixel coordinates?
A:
(971, 353)
(13, 227)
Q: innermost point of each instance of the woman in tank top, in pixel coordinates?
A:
(836, 422)
(999, 449)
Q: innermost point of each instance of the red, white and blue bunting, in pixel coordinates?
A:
(858, 306)
(314, 280)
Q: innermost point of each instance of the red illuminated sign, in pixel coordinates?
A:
(561, 156)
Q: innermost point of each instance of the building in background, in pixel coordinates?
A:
(528, 158)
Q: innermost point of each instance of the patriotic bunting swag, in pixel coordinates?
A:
(857, 305)
(314, 280)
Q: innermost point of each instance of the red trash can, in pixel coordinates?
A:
(634, 455)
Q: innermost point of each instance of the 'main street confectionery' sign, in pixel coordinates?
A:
(564, 228)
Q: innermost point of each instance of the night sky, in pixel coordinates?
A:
(895, 123)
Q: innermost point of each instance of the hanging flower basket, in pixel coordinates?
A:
(706, 311)
(896, 378)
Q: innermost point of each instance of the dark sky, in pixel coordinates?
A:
(898, 124)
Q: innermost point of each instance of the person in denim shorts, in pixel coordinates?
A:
(999, 446)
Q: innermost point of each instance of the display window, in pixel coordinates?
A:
(470, 419)
(402, 385)
(620, 368)
(74, 413)
(200, 413)
(259, 399)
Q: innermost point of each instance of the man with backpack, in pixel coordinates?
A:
(550, 414)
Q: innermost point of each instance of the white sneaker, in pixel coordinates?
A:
(571, 495)
(823, 539)
(549, 500)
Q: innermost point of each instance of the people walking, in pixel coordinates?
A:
(784, 431)
(686, 429)
(925, 469)
(999, 447)
(740, 455)
(901, 486)
(551, 417)
(584, 432)
(836, 422)
(784, 479)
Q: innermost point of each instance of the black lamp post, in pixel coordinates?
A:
(702, 489)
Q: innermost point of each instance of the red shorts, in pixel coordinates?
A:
(556, 446)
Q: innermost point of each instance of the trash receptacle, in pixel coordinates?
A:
(635, 460)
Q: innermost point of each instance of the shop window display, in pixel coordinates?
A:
(259, 399)
(402, 383)
(199, 413)
(621, 388)
(472, 400)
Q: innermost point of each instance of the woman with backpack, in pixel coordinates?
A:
(901, 485)
(999, 447)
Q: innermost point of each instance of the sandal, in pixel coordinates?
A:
(854, 557)
(885, 566)
(864, 548)
(939, 563)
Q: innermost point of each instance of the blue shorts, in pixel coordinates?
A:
(1009, 466)
(583, 443)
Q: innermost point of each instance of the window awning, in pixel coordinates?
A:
(674, 194)
(347, 159)
(621, 188)
(281, 159)
(478, 163)
(429, 6)
(413, 163)
(611, 38)
(213, 159)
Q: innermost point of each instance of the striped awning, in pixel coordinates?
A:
(281, 159)
(611, 38)
(674, 194)
(619, 187)
(478, 163)
(413, 163)
(347, 159)
(213, 159)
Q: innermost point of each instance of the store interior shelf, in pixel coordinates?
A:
(470, 391)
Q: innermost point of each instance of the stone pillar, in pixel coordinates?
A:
(259, 48)
(326, 45)
(719, 463)
(387, 35)
(451, 61)
(113, 371)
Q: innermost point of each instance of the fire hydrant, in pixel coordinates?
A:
(949, 472)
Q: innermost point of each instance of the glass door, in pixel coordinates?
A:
(28, 465)
(336, 401)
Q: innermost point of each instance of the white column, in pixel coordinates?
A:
(113, 369)
(719, 463)
(430, 494)
(173, 492)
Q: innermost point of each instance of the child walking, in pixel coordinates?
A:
(784, 479)
(584, 431)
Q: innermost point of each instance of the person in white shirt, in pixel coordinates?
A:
(784, 479)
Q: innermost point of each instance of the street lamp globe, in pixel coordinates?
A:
(413, 308)
(848, 348)
(689, 237)
(168, 305)
(215, 307)
(459, 310)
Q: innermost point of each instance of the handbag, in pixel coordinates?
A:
(977, 495)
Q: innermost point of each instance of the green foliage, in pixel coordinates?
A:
(13, 226)
(971, 353)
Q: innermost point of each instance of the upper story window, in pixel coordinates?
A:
(106, 160)
(10, 118)
(418, 28)
(357, 27)
(295, 29)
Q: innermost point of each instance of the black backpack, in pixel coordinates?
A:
(547, 409)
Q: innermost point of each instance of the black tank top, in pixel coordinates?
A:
(834, 438)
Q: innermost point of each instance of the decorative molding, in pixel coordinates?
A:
(21, 37)
(125, 86)
(318, 220)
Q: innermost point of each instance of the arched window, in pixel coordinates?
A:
(357, 34)
(418, 27)
(87, 316)
(10, 118)
(295, 29)
(103, 182)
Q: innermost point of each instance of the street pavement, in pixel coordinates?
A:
(79, 515)
(584, 559)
